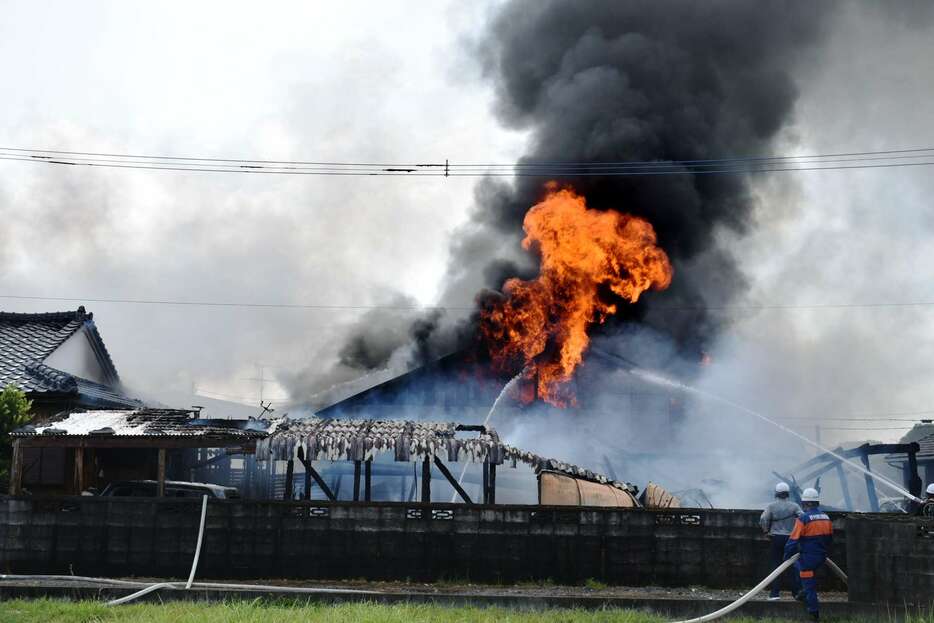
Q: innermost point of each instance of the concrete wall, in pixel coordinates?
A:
(252, 539)
(891, 559)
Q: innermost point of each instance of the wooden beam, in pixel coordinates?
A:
(426, 480)
(306, 494)
(289, 473)
(492, 483)
(318, 479)
(486, 482)
(870, 484)
(356, 481)
(160, 474)
(912, 479)
(367, 476)
(79, 471)
(844, 486)
(457, 487)
(16, 468)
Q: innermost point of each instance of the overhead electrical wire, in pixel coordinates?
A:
(738, 165)
(334, 307)
(323, 307)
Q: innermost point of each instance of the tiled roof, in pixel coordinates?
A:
(136, 423)
(27, 339)
(344, 439)
(923, 434)
(927, 447)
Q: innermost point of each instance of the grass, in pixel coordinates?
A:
(594, 585)
(57, 611)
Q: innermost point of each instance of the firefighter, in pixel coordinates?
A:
(927, 509)
(777, 521)
(812, 537)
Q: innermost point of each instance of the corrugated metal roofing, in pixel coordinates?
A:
(135, 423)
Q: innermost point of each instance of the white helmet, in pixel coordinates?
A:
(810, 495)
(782, 487)
(931, 489)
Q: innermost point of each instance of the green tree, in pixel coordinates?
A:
(14, 412)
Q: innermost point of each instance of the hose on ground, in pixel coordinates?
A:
(195, 585)
(757, 588)
(739, 602)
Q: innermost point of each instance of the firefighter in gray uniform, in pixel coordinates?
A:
(777, 521)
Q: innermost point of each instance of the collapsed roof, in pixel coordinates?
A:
(361, 440)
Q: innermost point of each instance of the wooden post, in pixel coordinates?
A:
(356, 481)
(870, 483)
(486, 482)
(16, 469)
(492, 483)
(426, 480)
(367, 469)
(912, 480)
(160, 474)
(844, 486)
(79, 470)
(289, 472)
(306, 494)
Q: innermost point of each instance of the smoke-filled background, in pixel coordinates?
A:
(756, 259)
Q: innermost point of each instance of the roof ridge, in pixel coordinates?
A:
(78, 314)
(97, 343)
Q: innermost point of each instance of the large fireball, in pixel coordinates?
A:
(541, 325)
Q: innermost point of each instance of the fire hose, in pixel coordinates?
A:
(758, 587)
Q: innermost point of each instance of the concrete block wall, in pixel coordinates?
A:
(891, 559)
(389, 541)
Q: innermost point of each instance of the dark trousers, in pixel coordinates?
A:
(778, 557)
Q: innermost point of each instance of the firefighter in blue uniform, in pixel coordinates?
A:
(811, 537)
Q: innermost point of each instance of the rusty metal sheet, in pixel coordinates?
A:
(558, 490)
(658, 497)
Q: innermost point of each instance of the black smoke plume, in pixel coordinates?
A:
(633, 81)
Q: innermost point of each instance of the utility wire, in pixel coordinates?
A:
(860, 429)
(85, 299)
(902, 153)
(231, 303)
(740, 165)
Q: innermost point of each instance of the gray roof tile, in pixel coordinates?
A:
(27, 339)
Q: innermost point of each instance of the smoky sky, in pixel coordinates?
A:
(632, 81)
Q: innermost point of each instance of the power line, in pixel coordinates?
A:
(72, 299)
(881, 418)
(199, 391)
(883, 154)
(316, 306)
(738, 165)
(862, 429)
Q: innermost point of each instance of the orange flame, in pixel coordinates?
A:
(542, 324)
